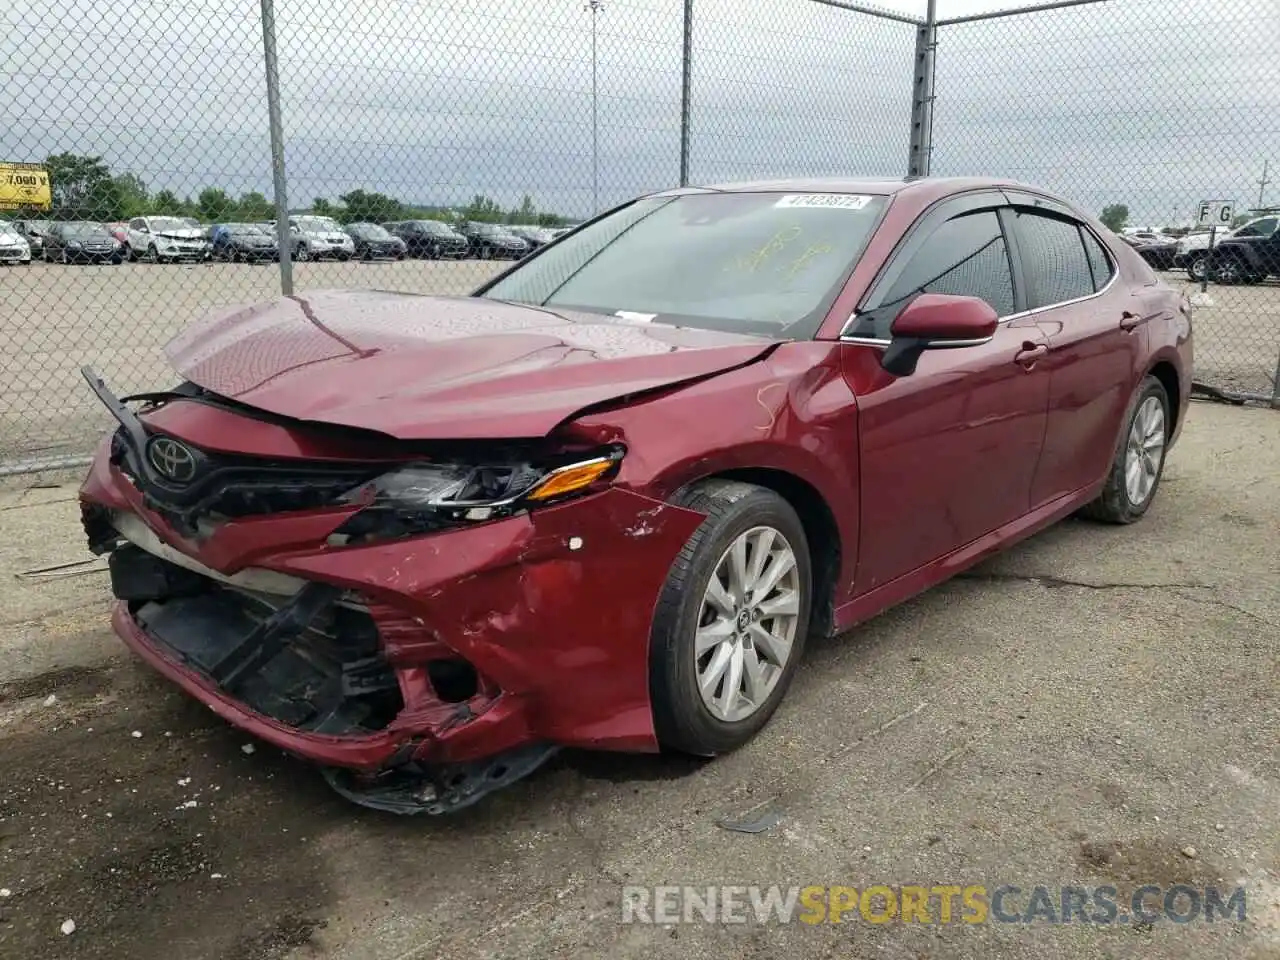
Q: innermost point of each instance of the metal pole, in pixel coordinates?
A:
(922, 94)
(595, 6)
(276, 125)
(1208, 259)
(686, 92)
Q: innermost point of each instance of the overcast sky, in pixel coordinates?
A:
(1155, 103)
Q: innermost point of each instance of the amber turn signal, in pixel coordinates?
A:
(570, 479)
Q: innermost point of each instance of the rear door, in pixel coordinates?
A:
(947, 453)
(1096, 328)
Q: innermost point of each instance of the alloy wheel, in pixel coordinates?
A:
(747, 624)
(1145, 451)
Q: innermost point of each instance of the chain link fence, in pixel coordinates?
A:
(415, 138)
(1139, 110)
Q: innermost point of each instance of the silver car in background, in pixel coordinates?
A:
(165, 238)
(13, 245)
(316, 237)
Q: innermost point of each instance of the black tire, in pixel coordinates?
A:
(681, 719)
(1229, 269)
(1114, 504)
(1196, 266)
(485, 252)
(153, 255)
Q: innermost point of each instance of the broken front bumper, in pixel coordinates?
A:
(452, 656)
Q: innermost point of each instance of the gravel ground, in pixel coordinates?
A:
(55, 318)
(1080, 710)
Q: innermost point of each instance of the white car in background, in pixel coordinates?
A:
(316, 237)
(1193, 249)
(13, 245)
(165, 238)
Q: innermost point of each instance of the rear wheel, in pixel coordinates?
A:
(1138, 463)
(1229, 269)
(730, 624)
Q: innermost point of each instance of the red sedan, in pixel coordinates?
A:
(601, 502)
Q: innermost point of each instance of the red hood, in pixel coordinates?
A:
(419, 367)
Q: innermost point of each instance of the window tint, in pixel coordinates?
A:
(1259, 228)
(1053, 259)
(1099, 262)
(966, 257)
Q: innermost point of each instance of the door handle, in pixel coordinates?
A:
(1030, 353)
(1130, 321)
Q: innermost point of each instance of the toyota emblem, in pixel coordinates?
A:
(173, 460)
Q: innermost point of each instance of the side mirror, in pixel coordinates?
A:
(934, 321)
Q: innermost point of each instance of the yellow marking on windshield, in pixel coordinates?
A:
(802, 261)
(750, 262)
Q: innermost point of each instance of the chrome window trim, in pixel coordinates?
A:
(1115, 275)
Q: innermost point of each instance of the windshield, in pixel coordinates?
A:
(7, 229)
(488, 230)
(245, 229)
(161, 224)
(1259, 228)
(434, 226)
(761, 263)
(318, 224)
(83, 228)
(369, 231)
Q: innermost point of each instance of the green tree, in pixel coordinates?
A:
(361, 206)
(321, 207)
(483, 209)
(254, 207)
(526, 213)
(134, 200)
(82, 188)
(1115, 216)
(215, 205)
(167, 202)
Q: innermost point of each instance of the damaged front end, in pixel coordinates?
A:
(408, 623)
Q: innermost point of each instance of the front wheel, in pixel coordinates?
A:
(1229, 269)
(1138, 463)
(730, 623)
(1197, 267)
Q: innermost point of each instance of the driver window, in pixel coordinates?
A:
(966, 256)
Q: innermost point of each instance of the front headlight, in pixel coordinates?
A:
(424, 497)
(73, 244)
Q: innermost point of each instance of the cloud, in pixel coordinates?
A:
(1154, 104)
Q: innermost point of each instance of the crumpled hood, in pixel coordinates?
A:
(191, 233)
(418, 367)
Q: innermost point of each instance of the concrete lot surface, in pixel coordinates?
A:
(1096, 706)
(56, 318)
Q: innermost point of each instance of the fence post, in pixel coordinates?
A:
(279, 183)
(922, 94)
(686, 92)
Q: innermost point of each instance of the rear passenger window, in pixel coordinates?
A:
(1099, 262)
(1054, 261)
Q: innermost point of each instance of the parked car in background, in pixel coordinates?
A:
(81, 241)
(1193, 249)
(156, 239)
(1247, 256)
(34, 231)
(401, 536)
(13, 245)
(492, 241)
(429, 239)
(536, 237)
(249, 242)
(120, 230)
(320, 237)
(1157, 250)
(375, 242)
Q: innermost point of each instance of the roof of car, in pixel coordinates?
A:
(870, 185)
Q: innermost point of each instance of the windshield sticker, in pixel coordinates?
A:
(823, 201)
(638, 317)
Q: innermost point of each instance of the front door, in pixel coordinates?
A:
(947, 453)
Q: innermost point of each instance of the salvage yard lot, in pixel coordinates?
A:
(1079, 710)
(55, 318)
